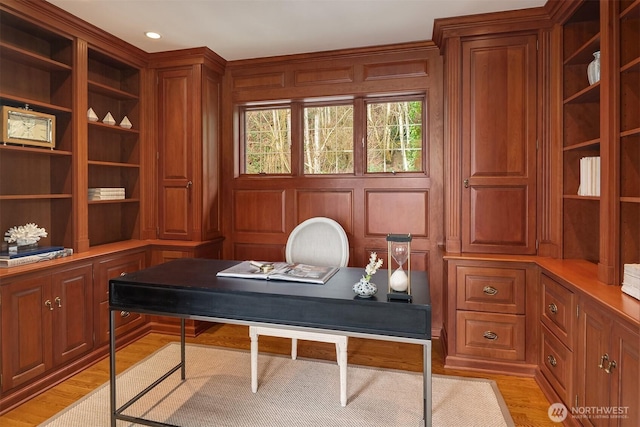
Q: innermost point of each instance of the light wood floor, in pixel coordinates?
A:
(527, 404)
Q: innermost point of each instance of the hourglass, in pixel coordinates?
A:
(399, 249)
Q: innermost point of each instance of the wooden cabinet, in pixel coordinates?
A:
(113, 151)
(499, 144)
(489, 305)
(36, 70)
(47, 320)
(188, 99)
(491, 131)
(608, 368)
(106, 269)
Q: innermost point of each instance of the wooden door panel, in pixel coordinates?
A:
(499, 144)
(594, 382)
(175, 132)
(625, 387)
(73, 313)
(499, 218)
(26, 331)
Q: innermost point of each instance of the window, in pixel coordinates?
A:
(394, 136)
(321, 140)
(267, 141)
(328, 139)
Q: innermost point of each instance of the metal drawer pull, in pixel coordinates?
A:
(490, 335)
(125, 314)
(553, 308)
(47, 303)
(59, 302)
(609, 368)
(603, 358)
(552, 360)
(123, 274)
(489, 290)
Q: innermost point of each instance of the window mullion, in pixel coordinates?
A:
(297, 141)
(360, 137)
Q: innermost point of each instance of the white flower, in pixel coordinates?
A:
(374, 264)
(28, 233)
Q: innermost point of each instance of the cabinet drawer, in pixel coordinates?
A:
(125, 321)
(491, 289)
(115, 267)
(558, 308)
(557, 364)
(490, 335)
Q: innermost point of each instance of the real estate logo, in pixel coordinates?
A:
(557, 412)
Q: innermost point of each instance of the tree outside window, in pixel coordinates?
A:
(393, 129)
(268, 141)
(394, 136)
(328, 139)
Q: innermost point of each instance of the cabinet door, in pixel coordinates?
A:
(177, 107)
(499, 144)
(73, 313)
(625, 388)
(26, 330)
(594, 355)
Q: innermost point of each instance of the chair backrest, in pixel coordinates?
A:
(318, 241)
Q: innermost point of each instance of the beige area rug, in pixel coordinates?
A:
(303, 392)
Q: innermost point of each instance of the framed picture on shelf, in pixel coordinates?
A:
(27, 127)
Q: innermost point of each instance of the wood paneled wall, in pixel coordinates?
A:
(259, 212)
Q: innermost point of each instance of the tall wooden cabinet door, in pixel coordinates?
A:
(73, 313)
(499, 144)
(177, 110)
(27, 311)
(625, 387)
(594, 355)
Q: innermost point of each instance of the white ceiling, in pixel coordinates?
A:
(242, 29)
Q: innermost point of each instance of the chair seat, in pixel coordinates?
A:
(341, 342)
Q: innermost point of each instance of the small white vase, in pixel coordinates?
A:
(365, 289)
(593, 70)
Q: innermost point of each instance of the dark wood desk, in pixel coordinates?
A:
(189, 289)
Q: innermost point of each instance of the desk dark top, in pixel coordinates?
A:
(190, 288)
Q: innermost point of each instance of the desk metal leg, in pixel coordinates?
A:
(112, 366)
(182, 352)
(426, 380)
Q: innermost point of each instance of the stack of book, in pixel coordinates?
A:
(589, 176)
(31, 255)
(631, 280)
(106, 193)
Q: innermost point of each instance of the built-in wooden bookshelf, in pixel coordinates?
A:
(581, 132)
(113, 151)
(36, 183)
(629, 131)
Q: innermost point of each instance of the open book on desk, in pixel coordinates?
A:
(280, 271)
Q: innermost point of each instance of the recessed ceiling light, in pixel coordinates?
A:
(152, 35)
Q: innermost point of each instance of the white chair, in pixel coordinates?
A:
(317, 241)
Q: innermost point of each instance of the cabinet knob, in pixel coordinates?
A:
(603, 358)
(489, 290)
(59, 302)
(553, 309)
(125, 314)
(123, 274)
(609, 368)
(48, 304)
(189, 184)
(490, 335)
(466, 183)
(552, 360)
